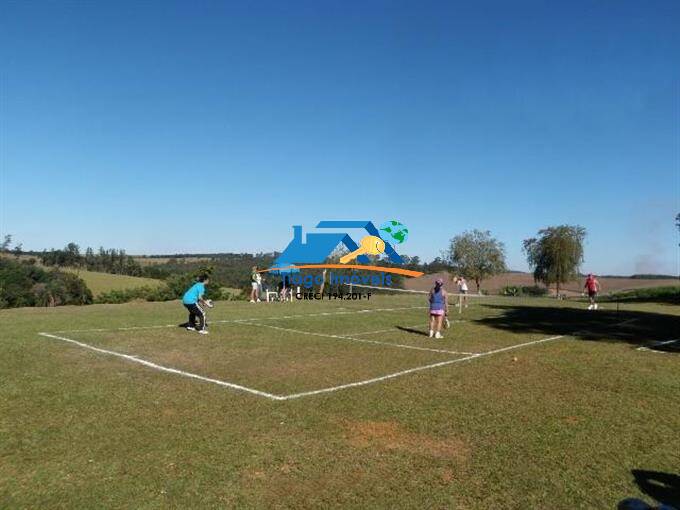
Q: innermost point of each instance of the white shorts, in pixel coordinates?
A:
(255, 285)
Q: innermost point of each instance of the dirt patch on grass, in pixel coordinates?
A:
(391, 436)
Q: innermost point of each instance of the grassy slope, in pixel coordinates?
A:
(493, 285)
(560, 428)
(105, 282)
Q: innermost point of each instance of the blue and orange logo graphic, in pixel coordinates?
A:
(310, 253)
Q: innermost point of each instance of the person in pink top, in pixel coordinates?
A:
(592, 286)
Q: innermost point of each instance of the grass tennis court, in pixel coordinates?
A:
(349, 402)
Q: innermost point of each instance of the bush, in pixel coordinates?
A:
(510, 290)
(25, 284)
(533, 291)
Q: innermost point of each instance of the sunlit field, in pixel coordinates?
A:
(524, 404)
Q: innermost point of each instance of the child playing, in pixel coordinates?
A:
(439, 308)
(191, 300)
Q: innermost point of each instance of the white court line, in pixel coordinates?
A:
(162, 368)
(236, 321)
(362, 340)
(292, 396)
(417, 369)
(272, 396)
(658, 344)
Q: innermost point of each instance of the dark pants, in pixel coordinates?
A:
(196, 311)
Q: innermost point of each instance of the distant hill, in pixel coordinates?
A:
(493, 285)
(99, 283)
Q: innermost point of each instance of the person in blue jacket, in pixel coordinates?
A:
(194, 301)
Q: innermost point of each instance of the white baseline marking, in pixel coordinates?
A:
(162, 368)
(236, 321)
(362, 340)
(417, 369)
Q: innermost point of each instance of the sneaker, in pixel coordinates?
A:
(259, 301)
(191, 328)
(252, 300)
(595, 306)
(431, 333)
(438, 335)
(203, 332)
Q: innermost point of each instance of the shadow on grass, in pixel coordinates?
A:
(411, 330)
(663, 487)
(633, 327)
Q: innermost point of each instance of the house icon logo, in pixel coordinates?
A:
(314, 248)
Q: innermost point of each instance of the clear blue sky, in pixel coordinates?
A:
(208, 126)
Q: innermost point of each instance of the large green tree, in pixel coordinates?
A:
(556, 254)
(476, 255)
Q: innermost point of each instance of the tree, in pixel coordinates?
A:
(476, 255)
(556, 254)
(6, 243)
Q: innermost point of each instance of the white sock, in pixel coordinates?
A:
(431, 333)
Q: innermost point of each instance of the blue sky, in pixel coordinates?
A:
(164, 127)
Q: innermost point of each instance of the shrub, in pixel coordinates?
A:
(25, 284)
(534, 290)
(510, 290)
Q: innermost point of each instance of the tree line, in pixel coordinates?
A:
(105, 260)
(554, 254)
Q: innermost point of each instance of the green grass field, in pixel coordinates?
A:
(105, 282)
(524, 404)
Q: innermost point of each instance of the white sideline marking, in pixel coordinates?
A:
(362, 340)
(224, 321)
(292, 396)
(162, 368)
(417, 369)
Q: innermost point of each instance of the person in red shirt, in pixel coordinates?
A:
(592, 286)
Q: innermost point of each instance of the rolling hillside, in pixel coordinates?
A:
(105, 282)
(493, 285)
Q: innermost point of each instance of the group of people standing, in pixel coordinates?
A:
(283, 290)
(439, 301)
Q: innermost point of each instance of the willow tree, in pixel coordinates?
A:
(556, 254)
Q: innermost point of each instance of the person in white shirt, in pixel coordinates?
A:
(462, 290)
(255, 282)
